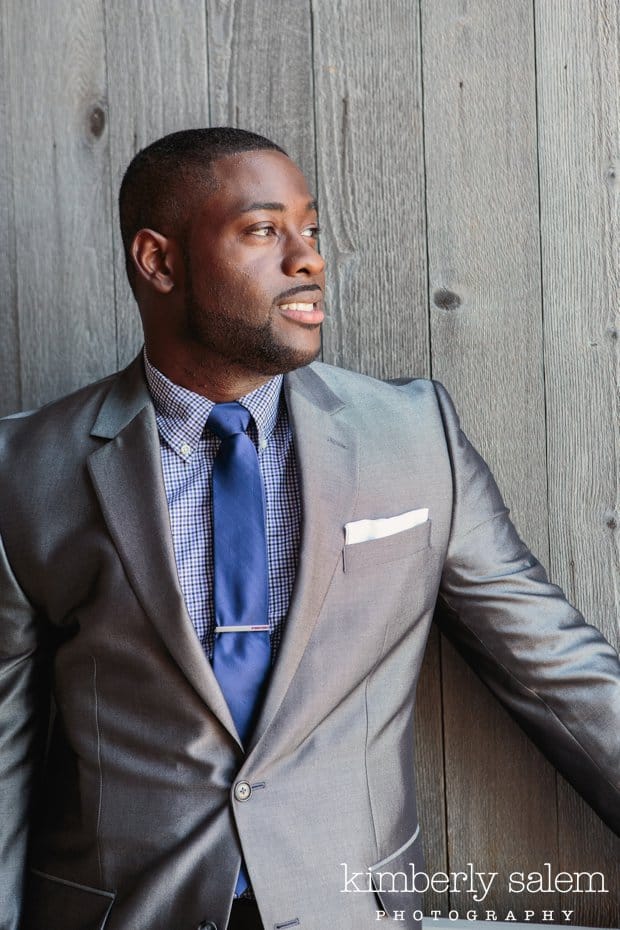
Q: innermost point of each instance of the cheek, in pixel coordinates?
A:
(240, 287)
(221, 282)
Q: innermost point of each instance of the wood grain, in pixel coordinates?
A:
(423, 126)
(157, 77)
(371, 185)
(260, 68)
(10, 390)
(57, 97)
(431, 785)
(486, 331)
(579, 117)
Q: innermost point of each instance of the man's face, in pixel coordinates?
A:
(254, 280)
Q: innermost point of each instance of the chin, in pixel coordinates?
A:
(286, 358)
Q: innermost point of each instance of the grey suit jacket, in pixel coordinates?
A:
(134, 823)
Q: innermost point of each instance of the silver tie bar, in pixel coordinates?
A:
(240, 628)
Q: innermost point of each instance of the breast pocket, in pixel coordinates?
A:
(364, 555)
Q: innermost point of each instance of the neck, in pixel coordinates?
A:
(220, 383)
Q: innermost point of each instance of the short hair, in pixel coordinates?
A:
(152, 192)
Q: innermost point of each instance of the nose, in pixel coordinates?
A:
(302, 258)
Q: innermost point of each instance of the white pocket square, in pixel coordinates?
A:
(363, 530)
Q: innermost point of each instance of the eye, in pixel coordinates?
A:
(262, 232)
(311, 232)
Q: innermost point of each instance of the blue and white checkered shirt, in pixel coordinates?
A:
(187, 455)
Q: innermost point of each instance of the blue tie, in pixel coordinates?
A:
(241, 652)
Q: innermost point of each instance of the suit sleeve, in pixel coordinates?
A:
(557, 675)
(23, 699)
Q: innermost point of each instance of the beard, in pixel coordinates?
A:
(214, 324)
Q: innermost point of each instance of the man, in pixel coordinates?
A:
(229, 577)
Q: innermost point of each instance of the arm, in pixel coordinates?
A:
(557, 675)
(23, 697)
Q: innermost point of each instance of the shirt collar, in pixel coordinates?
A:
(182, 414)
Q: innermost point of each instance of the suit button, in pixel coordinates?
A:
(242, 791)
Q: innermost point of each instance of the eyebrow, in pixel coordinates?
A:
(272, 205)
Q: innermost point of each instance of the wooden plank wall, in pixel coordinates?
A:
(466, 154)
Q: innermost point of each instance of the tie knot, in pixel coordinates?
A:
(228, 419)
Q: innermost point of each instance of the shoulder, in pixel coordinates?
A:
(391, 414)
(350, 383)
(56, 424)
(67, 403)
(398, 393)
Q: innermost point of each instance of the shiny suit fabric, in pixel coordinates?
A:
(124, 811)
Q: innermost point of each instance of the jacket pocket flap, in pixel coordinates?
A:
(58, 904)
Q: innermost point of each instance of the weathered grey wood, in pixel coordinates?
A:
(369, 154)
(431, 787)
(579, 128)
(484, 282)
(9, 343)
(57, 96)
(157, 76)
(371, 191)
(586, 845)
(343, 80)
(260, 69)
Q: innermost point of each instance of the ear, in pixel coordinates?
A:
(157, 260)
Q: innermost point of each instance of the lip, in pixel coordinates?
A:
(311, 317)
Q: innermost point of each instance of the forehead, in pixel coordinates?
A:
(262, 177)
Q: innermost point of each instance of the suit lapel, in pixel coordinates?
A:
(327, 464)
(126, 473)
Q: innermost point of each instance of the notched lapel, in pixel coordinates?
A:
(327, 464)
(127, 477)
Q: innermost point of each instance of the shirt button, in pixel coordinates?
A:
(262, 444)
(242, 791)
(185, 449)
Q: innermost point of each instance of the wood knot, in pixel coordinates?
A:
(611, 176)
(611, 519)
(96, 121)
(445, 299)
